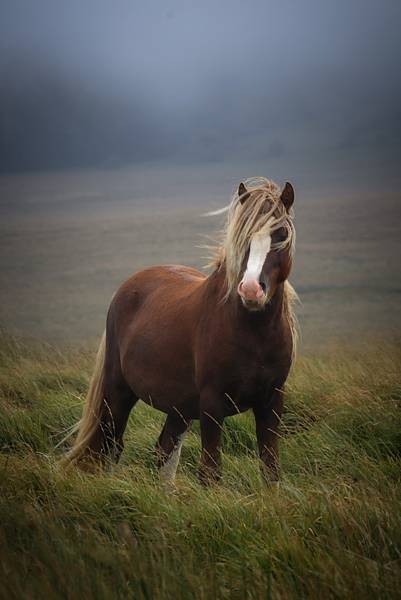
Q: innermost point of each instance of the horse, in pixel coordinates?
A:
(201, 347)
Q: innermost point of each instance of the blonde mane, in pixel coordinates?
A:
(263, 209)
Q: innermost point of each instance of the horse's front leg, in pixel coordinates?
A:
(267, 418)
(211, 426)
(168, 447)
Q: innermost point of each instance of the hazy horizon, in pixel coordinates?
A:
(68, 240)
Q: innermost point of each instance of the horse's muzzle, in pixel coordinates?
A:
(252, 293)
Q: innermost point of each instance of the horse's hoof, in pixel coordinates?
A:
(167, 483)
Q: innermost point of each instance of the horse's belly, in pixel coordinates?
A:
(159, 372)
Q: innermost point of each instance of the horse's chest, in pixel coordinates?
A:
(244, 368)
(252, 380)
(247, 384)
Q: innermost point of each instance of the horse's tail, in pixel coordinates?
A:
(90, 420)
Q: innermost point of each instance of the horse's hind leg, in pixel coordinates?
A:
(168, 447)
(118, 402)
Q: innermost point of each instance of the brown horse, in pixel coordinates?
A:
(198, 347)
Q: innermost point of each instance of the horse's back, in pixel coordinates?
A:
(165, 274)
(157, 282)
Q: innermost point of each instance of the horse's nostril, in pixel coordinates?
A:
(263, 286)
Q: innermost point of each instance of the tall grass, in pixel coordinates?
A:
(333, 529)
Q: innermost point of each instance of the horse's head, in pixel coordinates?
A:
(268, 258)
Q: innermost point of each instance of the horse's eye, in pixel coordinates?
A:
(280, 235)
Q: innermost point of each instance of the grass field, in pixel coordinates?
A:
(332, 530)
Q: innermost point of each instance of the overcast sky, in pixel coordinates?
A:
(314, 85)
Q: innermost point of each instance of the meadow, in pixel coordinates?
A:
(332, 529)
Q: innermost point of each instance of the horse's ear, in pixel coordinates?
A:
(243, 193)
(287, 196)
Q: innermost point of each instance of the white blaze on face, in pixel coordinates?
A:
(259, 249)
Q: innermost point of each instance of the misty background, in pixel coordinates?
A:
(120, 122)
(313, 85)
